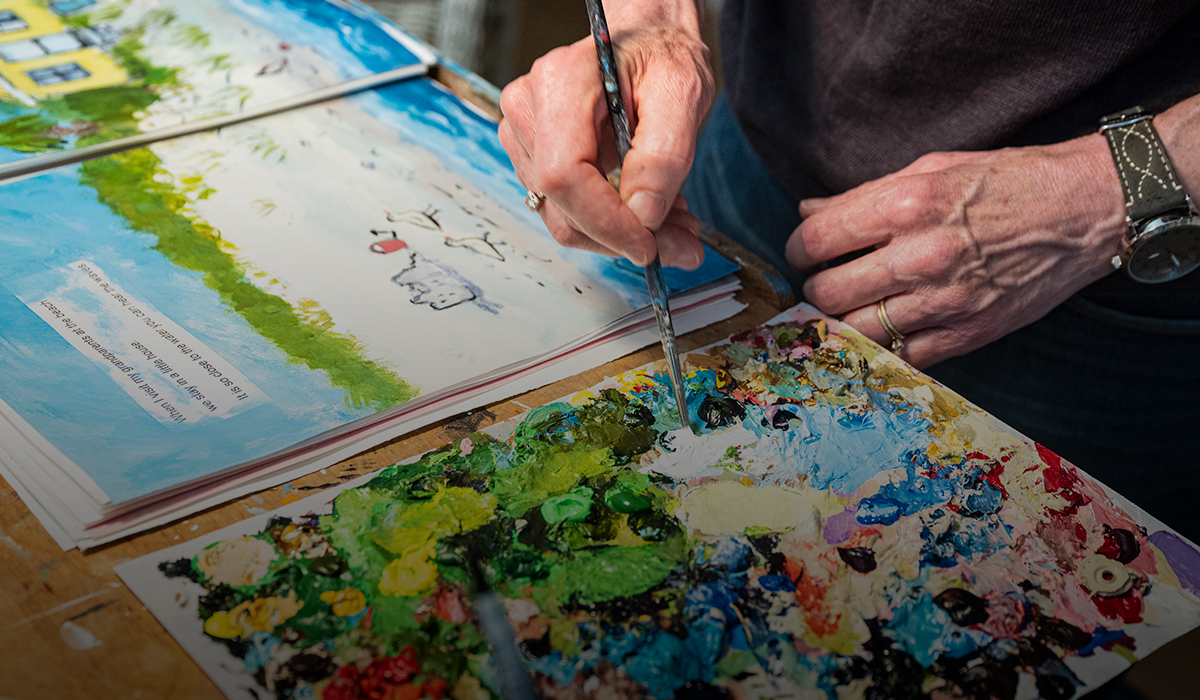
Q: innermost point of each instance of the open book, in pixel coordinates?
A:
(209, 315)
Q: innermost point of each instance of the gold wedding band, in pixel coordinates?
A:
(533, 200)
(896, 336)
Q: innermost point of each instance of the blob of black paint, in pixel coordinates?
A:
(720, 411)
(1055, 632)
(1120, 544)
(629, 607)
(997, 677)
(782, 420)
(861, 559)
(895, 675)
(963, 606)
(1054, 679)
(310, 665)
(698, 690)
(180, 568)
(223, 597)
(1054, 687)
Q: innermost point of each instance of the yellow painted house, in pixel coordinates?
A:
(42, 56)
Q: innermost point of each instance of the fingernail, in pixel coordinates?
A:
(649, 208)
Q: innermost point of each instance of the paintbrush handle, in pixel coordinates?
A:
(608, 74)
(654, 275)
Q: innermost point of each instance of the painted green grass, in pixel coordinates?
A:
(125, 183)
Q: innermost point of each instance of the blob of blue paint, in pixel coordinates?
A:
(776, 582)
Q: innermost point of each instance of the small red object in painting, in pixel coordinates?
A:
(388, 246)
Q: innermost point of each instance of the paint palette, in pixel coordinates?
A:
(839, 524)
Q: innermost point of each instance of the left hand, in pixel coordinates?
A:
(967, 246)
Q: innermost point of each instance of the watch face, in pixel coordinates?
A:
(1168, 253)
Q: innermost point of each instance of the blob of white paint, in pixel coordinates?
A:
(692, 456)
(77, 637)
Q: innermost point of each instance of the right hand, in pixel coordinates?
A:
(557, 131)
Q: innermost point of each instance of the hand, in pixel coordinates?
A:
(557, 131)
(967, 247)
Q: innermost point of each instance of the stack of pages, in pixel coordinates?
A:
(206, 316)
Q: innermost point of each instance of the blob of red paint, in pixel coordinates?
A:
(1127, 608)
(388, 246)
(389, 678)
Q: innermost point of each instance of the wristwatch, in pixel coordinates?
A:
(1163, 241)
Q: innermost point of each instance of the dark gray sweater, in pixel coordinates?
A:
(833, 93)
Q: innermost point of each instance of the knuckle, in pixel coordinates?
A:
(823, 295)
(934, 161)
(513, 95)
(554, 178)
(566, 236)
(911, 199)
(929, 260)
(548, 62)
(815, 236)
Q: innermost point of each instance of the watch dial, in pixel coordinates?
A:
(1168, 254)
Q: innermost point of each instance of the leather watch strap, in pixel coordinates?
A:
(1147, 178)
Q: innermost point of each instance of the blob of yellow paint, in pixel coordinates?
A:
(729, 508)
(263, 614)
(346, 602)
(452, 510)
(411, 574)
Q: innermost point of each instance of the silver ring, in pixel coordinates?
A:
(533, 200)
(896, 336)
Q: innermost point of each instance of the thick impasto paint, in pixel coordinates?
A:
(839, 526)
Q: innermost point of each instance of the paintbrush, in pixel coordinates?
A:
(654, 276)
(493, 622)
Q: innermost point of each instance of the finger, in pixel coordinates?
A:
(845, 228)
(566, 233)
(928, 163)
(813, 205)
(517, 153)
(854, 284)
(928, 347)
(516, 104)
(904, 312)
(561, 228)
(678, 239)
(870, 216)
(564, 157)
(669, 105)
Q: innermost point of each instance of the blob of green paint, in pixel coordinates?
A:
(612, 572)
(572, 507)
(625, 500)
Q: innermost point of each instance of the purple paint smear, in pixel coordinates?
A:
(1183, 557)
(838, 528)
